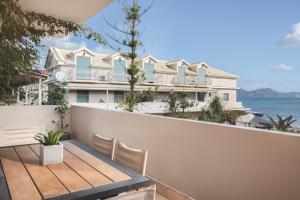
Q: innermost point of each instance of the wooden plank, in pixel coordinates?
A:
(21, 186)
(91, 175)
(46, 182)
(71, 180)
(104, 168)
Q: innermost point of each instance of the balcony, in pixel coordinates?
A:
(190, 80)
(92, 75)
(203, 160)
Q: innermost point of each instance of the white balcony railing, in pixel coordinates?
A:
(146, 107)
(73, 75)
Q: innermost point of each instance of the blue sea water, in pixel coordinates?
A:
(274, 106)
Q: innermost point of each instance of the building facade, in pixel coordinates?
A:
(101, 79)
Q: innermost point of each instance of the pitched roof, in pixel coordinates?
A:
(161, 66)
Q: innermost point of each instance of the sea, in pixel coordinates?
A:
(274, 106)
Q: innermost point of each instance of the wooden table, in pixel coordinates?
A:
(84, 174)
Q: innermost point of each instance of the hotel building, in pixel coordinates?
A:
(100, 79)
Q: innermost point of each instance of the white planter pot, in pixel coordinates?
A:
(52, 154)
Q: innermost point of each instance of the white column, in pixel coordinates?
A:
(26, 95)
(196, 96)
(40, 91)
(106, 99)
(18, 95)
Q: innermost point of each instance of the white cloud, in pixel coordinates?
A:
(292, 39)
(64, 43)
(283, 68)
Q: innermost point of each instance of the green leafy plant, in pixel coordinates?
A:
(52, 138)
(183, 103)
(178, 101)
(21, 34)
(216, 113)
(282, 124)
(147, 95)
(58, 96)
(172, 101)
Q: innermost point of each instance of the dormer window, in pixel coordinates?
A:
(181, 71)
(149, 72)
(119, 74)
(201, 75)
(83, 67)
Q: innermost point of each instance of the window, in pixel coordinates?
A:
(181, 74)
(201, 75)
(119, 71)
(118, 96)
(225, 97)
(83, 68)
(149, 72)
(82, 96)
(181, 96)
(201, 96)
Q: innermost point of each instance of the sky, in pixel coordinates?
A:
(256, 40)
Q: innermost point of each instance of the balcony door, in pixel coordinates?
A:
(181, 74)
(83, 68)
(149, 72)
(119, 71)
(201, 75)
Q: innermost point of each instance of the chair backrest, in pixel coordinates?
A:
(104, 145)
(135, 159)
(148, 193)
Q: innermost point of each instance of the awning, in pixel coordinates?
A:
(77, 11)
(30, 78)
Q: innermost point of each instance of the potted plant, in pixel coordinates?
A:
(51, 150)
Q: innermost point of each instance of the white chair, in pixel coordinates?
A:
(148, 193)
(135, 159)
(104, 145)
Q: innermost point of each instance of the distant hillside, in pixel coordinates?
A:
(267, 93)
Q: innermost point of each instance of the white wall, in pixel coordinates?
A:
(15, 117)
(207, 161)
(19, 124)
(223, 82)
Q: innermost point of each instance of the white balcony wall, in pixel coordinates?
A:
(207, 161)
(18, 124)
(223, 82)
(28, 117)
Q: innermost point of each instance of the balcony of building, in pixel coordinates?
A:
(158, 79)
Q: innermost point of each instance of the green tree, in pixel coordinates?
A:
(178, 101)
(172, 101)
(183, 103)
(146, 95)
(57, 95)
(282, 124)
(216, 113)
(21, 33)
(130, 43)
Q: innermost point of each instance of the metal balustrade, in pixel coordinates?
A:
(165, 79)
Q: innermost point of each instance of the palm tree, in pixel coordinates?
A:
(283, 124)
